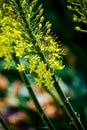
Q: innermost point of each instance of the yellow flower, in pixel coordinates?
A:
(41, 68)
(56, 65)
(39, 81)
(32, 63)
(20, 67)
(47, 75)
(48, 82)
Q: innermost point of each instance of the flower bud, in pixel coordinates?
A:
(41, 11)
(49, 25)
(69, 7)
(40, 7)
(41, 19)
(40, 26)
(75, 18)
(48, 31)
(77, 28)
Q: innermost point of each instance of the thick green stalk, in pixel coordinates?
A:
(74, 119)
(38, 107)
(5, 126)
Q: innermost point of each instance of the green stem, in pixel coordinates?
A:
(5, 126)
(39, 109)
(29, 88)
(66, 106)
(74, 119)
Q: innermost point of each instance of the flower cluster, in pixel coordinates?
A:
(23, 34)
(79, 8)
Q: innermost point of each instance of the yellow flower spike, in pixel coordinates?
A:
(20, 67)
(15, 32)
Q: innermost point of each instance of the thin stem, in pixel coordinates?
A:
(83, 8)
(5, 126)
(29, 88)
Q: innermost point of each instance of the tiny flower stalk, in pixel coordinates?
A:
(23, 34)
(79, 8)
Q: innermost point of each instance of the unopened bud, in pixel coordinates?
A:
(49, 25)
(69, 7)
(4, 5)
(40, 25)
(40, 6)
(41, 11)
(30, 9)
(37, 16)
(75, 18)
(48, 31)
(29, 16)
(77, 28)
(41, 19)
